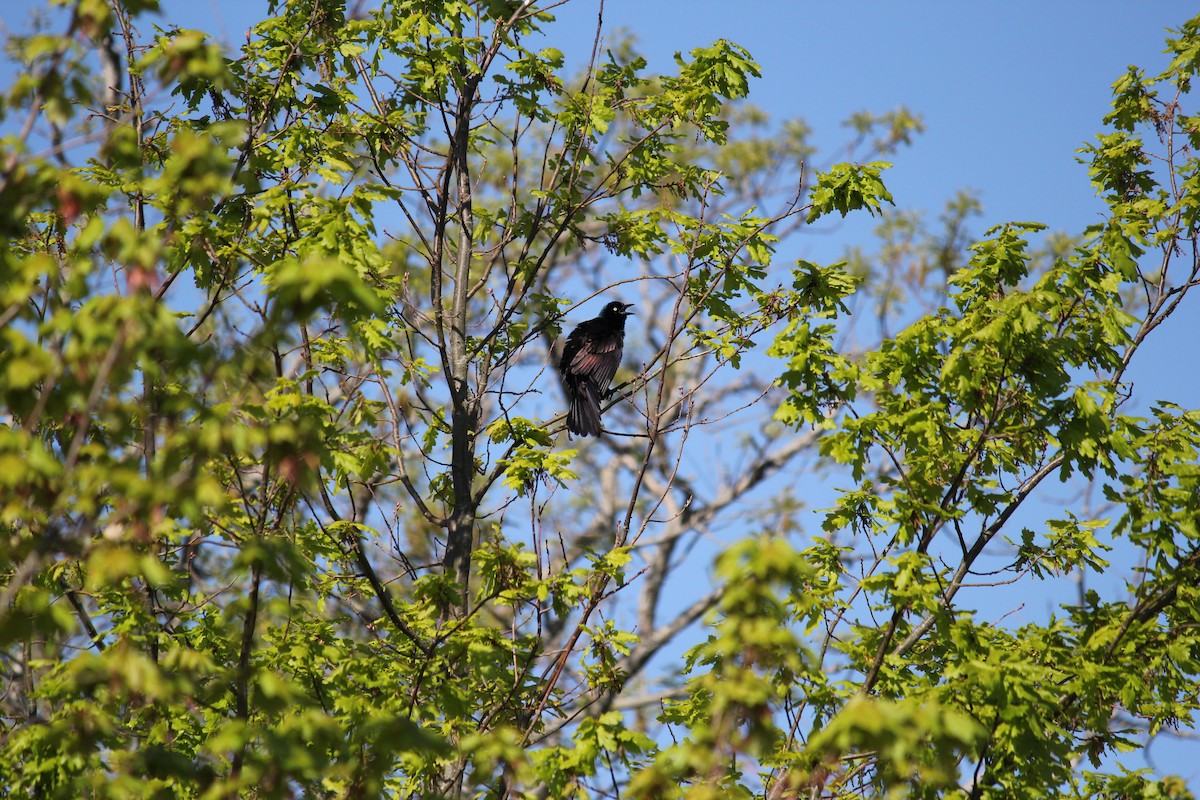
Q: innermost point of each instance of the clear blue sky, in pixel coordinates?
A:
(1008, 90)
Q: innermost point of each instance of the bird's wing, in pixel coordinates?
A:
(579, 343)
(597, 359)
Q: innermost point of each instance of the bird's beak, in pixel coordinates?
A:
(626, 310)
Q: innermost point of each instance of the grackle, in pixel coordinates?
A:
(589, 362)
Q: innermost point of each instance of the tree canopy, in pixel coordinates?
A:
(287, 503)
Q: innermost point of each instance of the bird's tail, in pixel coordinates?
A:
(583, 417)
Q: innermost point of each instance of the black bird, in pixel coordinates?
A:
(589, 361)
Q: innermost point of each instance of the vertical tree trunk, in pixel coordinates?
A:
(464, 403)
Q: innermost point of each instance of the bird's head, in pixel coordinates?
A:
(617, 309)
